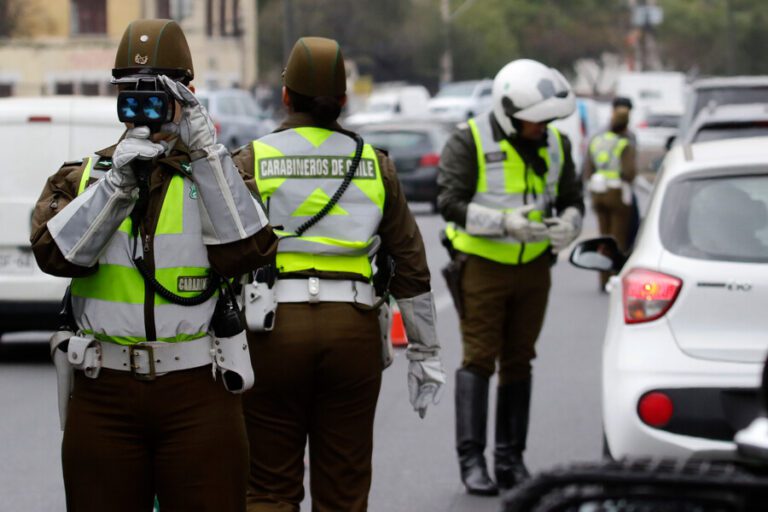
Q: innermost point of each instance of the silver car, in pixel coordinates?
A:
(236, 115)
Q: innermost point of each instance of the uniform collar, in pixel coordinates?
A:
(299, 119)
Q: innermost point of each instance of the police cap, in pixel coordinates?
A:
(154, 47)
(316, 68)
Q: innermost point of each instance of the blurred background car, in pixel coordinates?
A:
(717, 122)
(458, 101)
(652, 135)
(390, 103)
(685, 340)
(719, 91)
(236, 115)
(415, 148)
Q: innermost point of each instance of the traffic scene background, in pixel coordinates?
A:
(695, 73)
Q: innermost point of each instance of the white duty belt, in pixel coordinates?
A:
(144, 361)
(314, 290)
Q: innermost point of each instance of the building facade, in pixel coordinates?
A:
(68, 46)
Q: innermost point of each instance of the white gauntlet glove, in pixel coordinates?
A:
(425, 371)
(517, 225)
(195, 129)
(564, 229)
(134, 146)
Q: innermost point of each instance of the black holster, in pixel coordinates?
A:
(453, 272)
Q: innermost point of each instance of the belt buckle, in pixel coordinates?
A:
(150, 350)
(313, 287)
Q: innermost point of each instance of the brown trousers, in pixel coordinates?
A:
(318, 375)
(504, 308)
(613, 218)
(180, 437)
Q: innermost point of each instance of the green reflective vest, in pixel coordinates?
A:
(110, 304)
(605, 151)
(297, 172)
(505, 182)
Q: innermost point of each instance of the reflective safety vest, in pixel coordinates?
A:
(110, 304)
(505, 182)
(605, 151)
(297, 172)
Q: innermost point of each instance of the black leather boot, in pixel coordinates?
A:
(471, 424)
(512, 406)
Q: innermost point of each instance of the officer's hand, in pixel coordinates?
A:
(425, 382)
(195, 128)
(134, 146)
(564, 229)
(517, 225)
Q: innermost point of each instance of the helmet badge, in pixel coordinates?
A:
(141, 60)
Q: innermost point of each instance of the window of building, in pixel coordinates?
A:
(64, 88)
(222, 18)
(89, 88)
(88, 16)
(164, 9)
(6, 89)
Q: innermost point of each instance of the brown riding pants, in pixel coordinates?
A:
(318, 375)
(180, 437)
(504, 308)
(613, 218)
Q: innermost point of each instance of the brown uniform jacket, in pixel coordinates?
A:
(228, 260)
(628, 161)
(400, 235)
(457, 178)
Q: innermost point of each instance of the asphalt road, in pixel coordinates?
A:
(414, 460)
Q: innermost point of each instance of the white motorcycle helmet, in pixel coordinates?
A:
(528, 90)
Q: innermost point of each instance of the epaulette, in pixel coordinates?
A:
(71, 163)
(386, 153)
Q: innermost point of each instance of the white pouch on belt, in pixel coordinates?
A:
(64, 372)
(234, 361)
(260, 304)
(385, 325)
(85, 354)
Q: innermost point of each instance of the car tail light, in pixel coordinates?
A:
(217, 127)
(648, 294)
(655, 409)
(642, 124)
(39, 119)
(429, 160)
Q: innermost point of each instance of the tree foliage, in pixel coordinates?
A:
(404, 39)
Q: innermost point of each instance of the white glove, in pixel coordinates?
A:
(135, 146)
(425, 383)
(564, 229)
(517, 225)
(195, 128)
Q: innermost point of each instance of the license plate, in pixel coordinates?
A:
(15, 261)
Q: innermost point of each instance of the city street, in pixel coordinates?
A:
(415, 466)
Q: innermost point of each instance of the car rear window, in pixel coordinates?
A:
(730, 96)
(717, 218)
(400, 142)
(722, 131)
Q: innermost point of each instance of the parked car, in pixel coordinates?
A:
(652, 91)
(67, 128)
(580, 126)
(729, 122)
(415, 148)
(236, 116)
(391, 104)
(458, 101)
(686, 336)
(651, 136)
(733, 90)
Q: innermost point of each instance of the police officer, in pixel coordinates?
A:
(337, 201)
(609, 170)
(137, 226)
(508, 190)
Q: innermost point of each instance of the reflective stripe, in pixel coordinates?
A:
(505, 183)
(86, 175)
(297, 172)
(110, 303)
(605, 150)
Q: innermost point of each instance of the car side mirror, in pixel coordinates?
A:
(670, 141)
(601, 253)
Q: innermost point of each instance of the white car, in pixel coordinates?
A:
(37, 135)
(687, 330)
(391, 103)
(458, 101)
